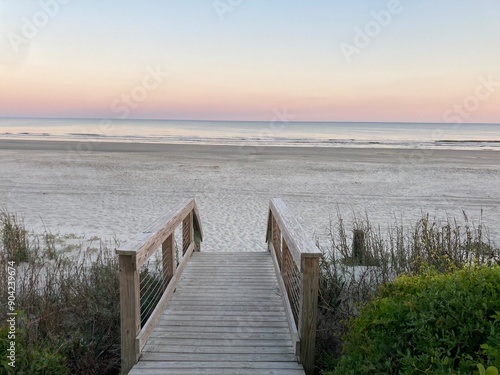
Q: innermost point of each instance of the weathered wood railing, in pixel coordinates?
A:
(134, 254)
(296, 260)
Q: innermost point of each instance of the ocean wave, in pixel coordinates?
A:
(239, 140)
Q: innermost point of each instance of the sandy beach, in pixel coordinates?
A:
(115, 189)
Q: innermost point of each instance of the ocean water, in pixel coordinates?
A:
(276, 133)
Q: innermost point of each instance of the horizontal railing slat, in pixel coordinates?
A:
(145, 243)
(299, 244)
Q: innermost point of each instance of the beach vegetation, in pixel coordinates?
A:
(357, 268)
(37, 359)
(67, 303)
(14, 237)
(431, 323)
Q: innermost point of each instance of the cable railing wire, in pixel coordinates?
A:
(152, 284)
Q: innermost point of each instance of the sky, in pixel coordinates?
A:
(321, 60)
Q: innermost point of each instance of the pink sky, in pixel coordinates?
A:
(418, 68)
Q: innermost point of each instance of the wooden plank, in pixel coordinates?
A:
(264, 289)
(262, 337)
(217, 365)
(215, 307)
(218, 294)
(255, 272)
(223, 254)
(232, 267)
(130, 316)
(233, 288)
(215, 318)
(162, 304)
(244, 279)
(233, 284)
(232, 274)
(198, 349)
(227, 299)
(224, 323)
(250, 269)
(230, 259)
(186, 312)
(219, 342)
(216, 273)
(217, 371)
(242, 284)
(223, 288)
(263, 304)
(148, 356)
(220, 329)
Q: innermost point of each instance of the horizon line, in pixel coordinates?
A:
(205, 120)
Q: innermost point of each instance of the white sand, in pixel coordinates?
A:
(103, 193)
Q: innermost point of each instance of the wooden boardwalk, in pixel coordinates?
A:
(227, 316)
(183, 311)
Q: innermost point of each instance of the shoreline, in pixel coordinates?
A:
(248, 153)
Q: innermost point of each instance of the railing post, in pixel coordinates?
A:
(168, 258)
(187, 232)
(130, 314)
(276, 239)
(308, 312)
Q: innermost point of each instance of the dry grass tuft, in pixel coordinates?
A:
(356, 264)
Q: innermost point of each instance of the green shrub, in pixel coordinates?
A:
(38, 359)
(428, 324)
(362, 256)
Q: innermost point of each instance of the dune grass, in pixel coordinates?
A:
(363, 257)
(67, 303)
